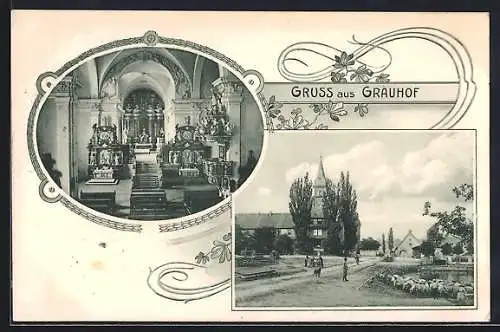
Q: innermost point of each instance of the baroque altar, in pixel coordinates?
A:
(106, 155)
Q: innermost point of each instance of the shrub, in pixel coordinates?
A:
(388, 259)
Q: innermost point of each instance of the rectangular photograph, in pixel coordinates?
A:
(358, 219)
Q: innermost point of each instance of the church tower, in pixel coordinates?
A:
(318, 227)
(319, 189)
(320, 182)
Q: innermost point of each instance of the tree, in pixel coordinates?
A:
(264, 239)
(383, 243)
(284, 244)
(427, 248)
(447, 249)
(340, 211)
(455, 222)
(369, 244)
(458, 249)
(239, 239)
(335, 231)
(390, 240)
(300, 208)
(348, 212)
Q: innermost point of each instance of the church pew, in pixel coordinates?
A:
(99, 204)
(100, 201)
(92, 195)
(147, 199)
(197, 200)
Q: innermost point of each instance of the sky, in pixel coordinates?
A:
(393, 172)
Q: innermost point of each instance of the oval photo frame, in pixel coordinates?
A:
(59, 85)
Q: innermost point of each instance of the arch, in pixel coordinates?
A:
(87, 79)
(133, 81)
(154, 75)
(180, 77)
(198, 69)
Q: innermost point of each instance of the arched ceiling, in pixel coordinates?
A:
(173, 70)
(120, 64)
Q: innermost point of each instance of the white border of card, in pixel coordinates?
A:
(320, 83)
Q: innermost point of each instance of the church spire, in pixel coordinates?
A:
(320, 181)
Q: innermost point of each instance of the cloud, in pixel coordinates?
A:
(376, 171)
(301, 170)
(263, 191)
(445, 161)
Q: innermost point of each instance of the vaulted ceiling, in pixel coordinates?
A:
(168, 72)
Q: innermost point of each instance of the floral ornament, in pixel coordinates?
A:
(361, 74)
(338, 77)
(297, 120)
(382, 78)
(150, 38)
(221, 251)
(344, 60)
(202, 258)
(361, 109)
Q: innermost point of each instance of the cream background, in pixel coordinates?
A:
(48, 239)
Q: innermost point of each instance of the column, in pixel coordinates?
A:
(62, 96)
(85, 116)
(232, 96)
(62, 153)
(150, 125)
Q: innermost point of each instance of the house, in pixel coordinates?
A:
(406, 247)
(282, 222)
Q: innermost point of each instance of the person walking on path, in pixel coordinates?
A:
(344, 274)
(305, 261)
(321, 262)
(357, 259)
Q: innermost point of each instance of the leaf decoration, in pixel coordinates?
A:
(201, 258)
(382, 78)
(344, 60)
(221, 251)
(361, 109)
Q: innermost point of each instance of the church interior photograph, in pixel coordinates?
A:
(149, 133)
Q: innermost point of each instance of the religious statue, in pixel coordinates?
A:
(144, 137)
(93, 140)
(161, 133)
(176, 158)
(105, 157)
(124, 136)
(117, 159)
(92, 159)
(109, 88)
(228, 128)
(186, 95)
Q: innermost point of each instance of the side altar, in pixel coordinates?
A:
(106, 156)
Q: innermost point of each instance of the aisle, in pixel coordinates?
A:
(148, 201)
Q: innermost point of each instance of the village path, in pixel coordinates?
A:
(249, 289)
(330, 291)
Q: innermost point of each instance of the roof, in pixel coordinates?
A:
(321, 177)
(407, 236)
(258, 220)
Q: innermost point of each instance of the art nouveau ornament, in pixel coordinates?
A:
(201, 183)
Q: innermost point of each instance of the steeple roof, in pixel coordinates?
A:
(321, 177)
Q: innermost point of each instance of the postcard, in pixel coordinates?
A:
(250, 166)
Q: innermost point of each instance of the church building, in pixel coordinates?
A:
(283, 221)
(149, 133)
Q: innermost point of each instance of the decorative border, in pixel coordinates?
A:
(48, 81)
(452, 46)
(173, 289)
